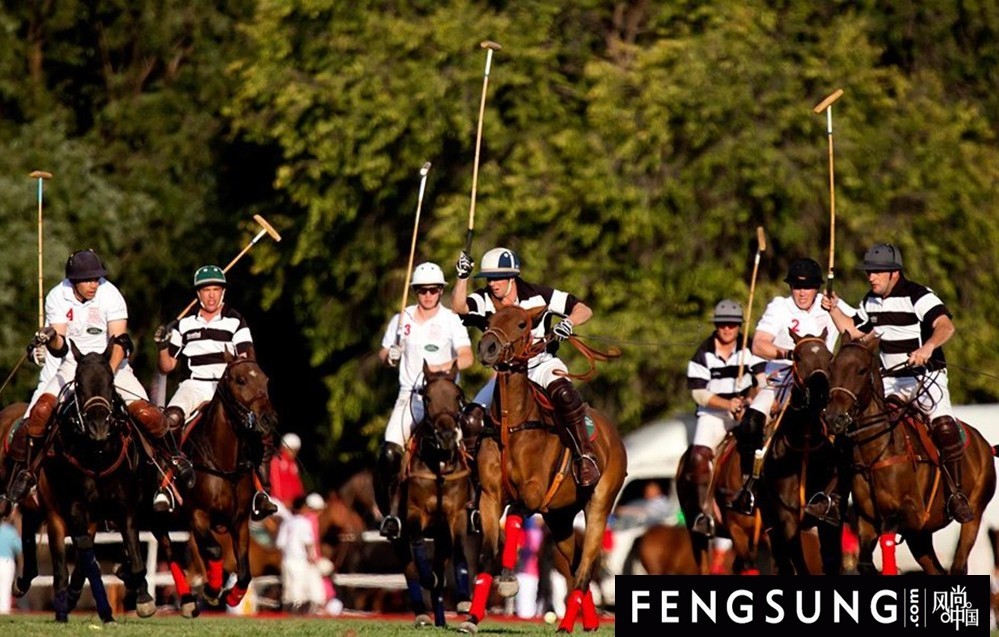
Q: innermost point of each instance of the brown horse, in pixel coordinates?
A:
(435, 487)
(526, 466)
(225, 443)
(40, 511)
(749, 544)
(897, 483)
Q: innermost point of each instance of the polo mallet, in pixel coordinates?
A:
(412, 250)
(489, 46)
(265, 228)
(826, 105)
(41, 176)
(761, 247)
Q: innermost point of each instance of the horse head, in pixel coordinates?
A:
(92, 412)
(810, 365)
(244, 394)
(854, 382)
(508, 337)
(443, 400)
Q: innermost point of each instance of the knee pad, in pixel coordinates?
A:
(390, 455)
(564, 396)
(473, 420)
(948, 435)
(40, 415)
(700, 461)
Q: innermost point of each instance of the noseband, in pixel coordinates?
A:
(510, 347)
(242, 413)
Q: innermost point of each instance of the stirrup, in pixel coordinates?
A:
(262, 506)
(474, 521)
(825, 508)
(585, 478)
(744, 501)
(704, 525)
(959, 508)
(391, 527)
(163, 501)
(21, 485)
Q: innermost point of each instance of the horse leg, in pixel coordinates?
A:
(442, 549)
(969, 533)
(867, 537)
(596, 523)
(241, 547)
(145, 605)
(30, 524)
(831, 549)
(491, 507)
(507, 584)
(459, 561)
(87, 564)
(188, 604)
(921, 546)
(211, 554)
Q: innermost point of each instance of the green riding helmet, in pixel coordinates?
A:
(209, 275)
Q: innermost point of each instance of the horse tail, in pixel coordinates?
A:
(628, 568)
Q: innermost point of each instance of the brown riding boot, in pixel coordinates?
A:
(572, 412)
(948, 436)
(749, 438)
(473, 421)
(700, 471)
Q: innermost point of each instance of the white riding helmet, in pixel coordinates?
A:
(428, 274)
(292, 441)
(499, 263)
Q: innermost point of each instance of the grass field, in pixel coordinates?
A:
(84, 623)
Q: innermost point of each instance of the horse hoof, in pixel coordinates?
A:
(422, 621)
(464, 607)
(21, 587)
(469, 628)
(507, 588)
(62, 619)
(189, 609)
(145, 609)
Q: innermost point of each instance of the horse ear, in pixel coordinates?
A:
(824, 334)
(873, 342)
(794, 337)
(107, 351)
(228, 356)
(845, 337)
(426, 368)
(454, 369)
(77, 354)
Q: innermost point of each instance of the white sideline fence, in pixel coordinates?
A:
(157, 579)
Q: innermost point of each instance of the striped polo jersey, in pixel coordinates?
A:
(530, 296)
(707, 370)
(904, 321)
(200, 345)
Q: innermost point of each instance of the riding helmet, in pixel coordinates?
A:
(882, 257)
(209, 275)
(728, 311)
(499, 263)
(804, 273)
(428, 274)
(84, 265)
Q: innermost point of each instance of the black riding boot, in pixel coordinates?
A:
(700, 473)
(389, 466)
(473, 417)
(262, 505)
(949, 439)
(182, 467)
(21, 480)
(749, 437)
(572, 412)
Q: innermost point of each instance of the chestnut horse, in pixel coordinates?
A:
(897, 484)
(225, 443)
(435, 487)
(526, 466)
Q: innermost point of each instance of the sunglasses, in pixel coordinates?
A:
(431, 290)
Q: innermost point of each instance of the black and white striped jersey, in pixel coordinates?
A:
(531, 296)
(707, 370)
(199, 345)
(904, 321)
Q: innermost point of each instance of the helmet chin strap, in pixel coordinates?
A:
(221, 301)
(509, 287)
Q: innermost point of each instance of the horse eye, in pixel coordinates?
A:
(522, 324)
(241, 380)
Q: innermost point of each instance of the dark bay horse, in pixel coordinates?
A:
(434, 489)
(526, 466)
(897, 484)
(39, 511)
(801, 460)
(225, 443)
(90, 476)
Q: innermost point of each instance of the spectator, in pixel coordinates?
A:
(301, 582)
(654, 506)
(286, 483)
(528, 574)
(10, 553)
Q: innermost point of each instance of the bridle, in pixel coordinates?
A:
(515, 350)
(242, 411)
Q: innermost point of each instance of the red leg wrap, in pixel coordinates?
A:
(572, 608)
(235, 596)
(888, 564)
(179, 579)
(215, 574)
(480, 597)
(591, 621)
(511, 544)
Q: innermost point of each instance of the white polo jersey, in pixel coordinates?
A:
(86, 321)
(782, 315)
(436, 340)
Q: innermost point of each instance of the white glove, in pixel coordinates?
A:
(464, 265)
(38, 354)
(43, 336)
(394, 354)
(563, 330)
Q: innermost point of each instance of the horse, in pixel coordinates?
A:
(434, 489)
(525, 465)
(896, 481)
(224, 443)
(801, 460)
(749, 544)
(34, 515)
(94, 462)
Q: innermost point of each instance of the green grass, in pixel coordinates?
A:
(84, 623)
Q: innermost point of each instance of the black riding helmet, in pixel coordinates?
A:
(84, 265)
(804, 273)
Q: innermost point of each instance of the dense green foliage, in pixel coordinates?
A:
(629, 152)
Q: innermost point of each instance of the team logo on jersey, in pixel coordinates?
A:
(94, 330)
(430, 347)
